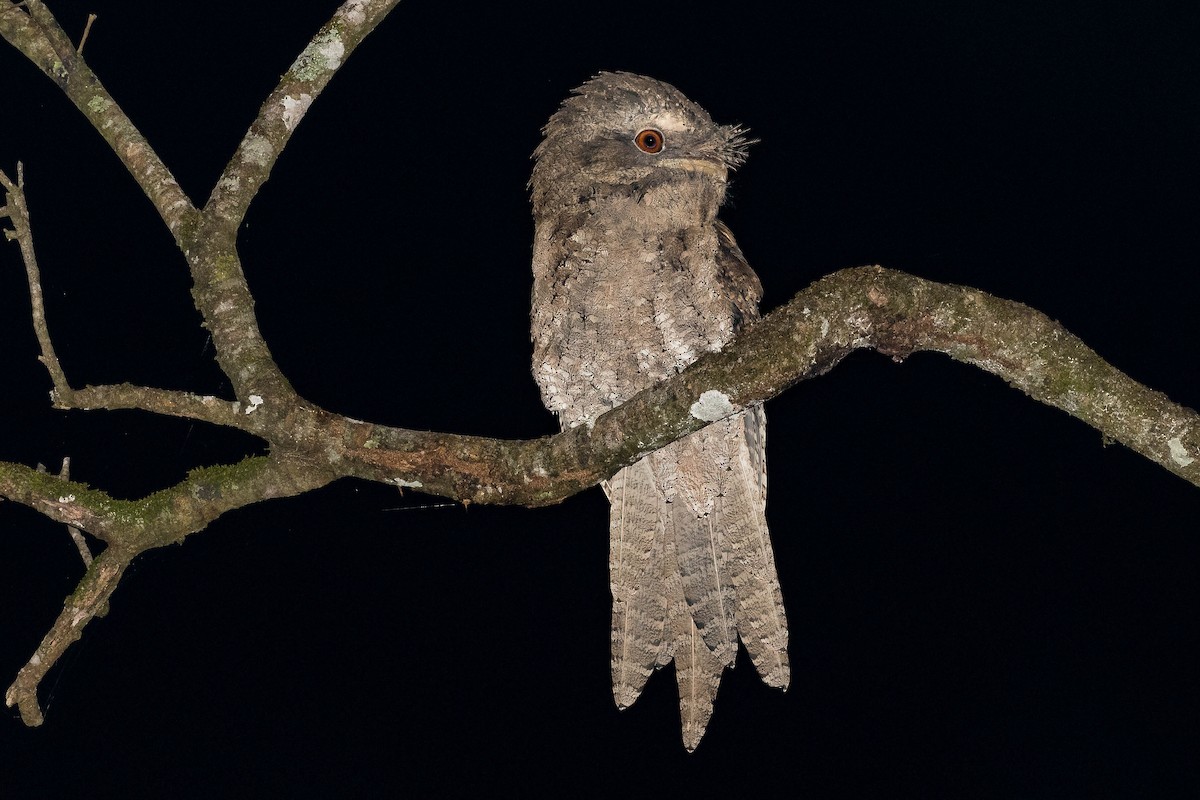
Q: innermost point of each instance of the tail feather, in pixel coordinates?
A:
(702, 556)
(698, 673)
(697, 670)
(762, 623)
(689, 471)
(635, 575)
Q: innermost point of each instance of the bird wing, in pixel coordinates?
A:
(738, 281)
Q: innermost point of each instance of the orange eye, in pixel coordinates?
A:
(649, 141)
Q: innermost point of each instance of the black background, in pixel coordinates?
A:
(984, 599)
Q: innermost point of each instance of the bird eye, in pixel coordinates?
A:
(649, 141)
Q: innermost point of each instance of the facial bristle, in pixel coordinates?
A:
(733, 150)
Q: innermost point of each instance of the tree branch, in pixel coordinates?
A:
(159, 401)
(861, 308)
(35, 32)
(220, 291)
(287, 104)
(131, 528)
(209, 239)
(89, 600)
(204, 408)
(866, 307)
(77, 536)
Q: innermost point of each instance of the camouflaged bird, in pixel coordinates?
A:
(634, 279)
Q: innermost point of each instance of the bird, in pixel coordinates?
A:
(634, 278)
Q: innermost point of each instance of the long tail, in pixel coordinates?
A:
(691, 568)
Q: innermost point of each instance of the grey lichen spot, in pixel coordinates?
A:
(1179, 453)
(403, 484)
(323, 54)
(332, 50)
(354, 12)
(99, 104)
(712, 406)
(860, 322)
(255, 401)
(257, 149)
(294, 109)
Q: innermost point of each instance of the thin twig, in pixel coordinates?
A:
(86, 30)
(168, 402)
(18, 213)
(76, 534)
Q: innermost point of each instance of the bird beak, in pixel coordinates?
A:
(708, 166)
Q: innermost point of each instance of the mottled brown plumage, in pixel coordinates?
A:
(634, 279)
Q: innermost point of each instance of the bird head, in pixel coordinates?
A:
(628, 133)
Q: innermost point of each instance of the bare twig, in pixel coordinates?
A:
(160, 401)
(18, 213)
(204, 408)
(86, 30)
(220, 289)
(76, 534)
